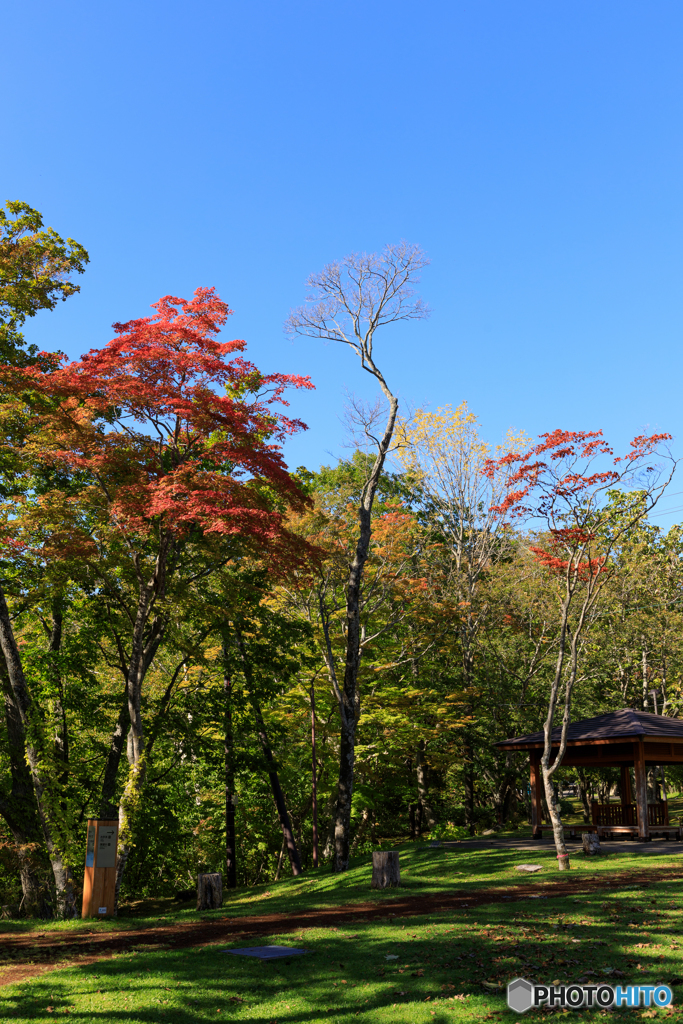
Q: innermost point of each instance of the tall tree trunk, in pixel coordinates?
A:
(314, 780)
(504, 792)
(468, 769)
(328, 848)
(278, 795)
(261, 732)
(19, 809)
(61, 731)
(422, 774)
(230, 797)
(350, 697)
(66, 901)
(108, 805)
(547, 769)
(145, 642)
(583, 795)
(280, 859)
(360, 831)
(645, 674)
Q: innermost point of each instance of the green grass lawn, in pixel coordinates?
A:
(445, 967)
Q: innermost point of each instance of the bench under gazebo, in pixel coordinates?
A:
(622, 739)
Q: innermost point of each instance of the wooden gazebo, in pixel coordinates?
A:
(622, 739)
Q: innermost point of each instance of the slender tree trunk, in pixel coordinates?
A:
(411, 821)
(145, 642)
(230, 796)
(261, 732)
(280, 859)
(278, 795)
(422, 773)
(583, 795)
(61, 731)
(18, 808)
(663, 778)
(66, 902)
(314, 780)
(645, 678)
(504, 791)
(108, 804)
(547, 769)
(328, 848)
(555, 820)
(468, 757)
(350, 697)
(360, 831)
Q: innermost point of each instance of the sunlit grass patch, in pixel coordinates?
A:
(446, 967)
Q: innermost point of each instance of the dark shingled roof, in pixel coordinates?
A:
(615, 725)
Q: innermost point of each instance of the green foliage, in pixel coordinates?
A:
(458, 646)
(36, 269)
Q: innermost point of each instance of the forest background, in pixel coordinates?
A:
(178, 613)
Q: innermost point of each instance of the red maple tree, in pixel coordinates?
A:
(176, 441)
(570, 487)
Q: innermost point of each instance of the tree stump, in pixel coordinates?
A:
(209, 891)
(385, 869)
(591, 842)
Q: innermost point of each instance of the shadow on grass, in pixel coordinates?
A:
(445, 967)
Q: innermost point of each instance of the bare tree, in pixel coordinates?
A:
(349, 300)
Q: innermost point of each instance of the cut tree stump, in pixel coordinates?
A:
(590, 842)
(385, 869)
(209, 891)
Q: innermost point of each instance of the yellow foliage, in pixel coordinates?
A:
(445, 453)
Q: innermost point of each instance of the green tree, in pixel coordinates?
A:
(36, 271)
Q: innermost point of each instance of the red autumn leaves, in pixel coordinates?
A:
(171, 430)
(558, 482)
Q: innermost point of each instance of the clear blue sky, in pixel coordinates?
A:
(533, 149)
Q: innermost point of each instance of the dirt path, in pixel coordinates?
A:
(28, 955)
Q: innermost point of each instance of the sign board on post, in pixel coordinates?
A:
(99, 883)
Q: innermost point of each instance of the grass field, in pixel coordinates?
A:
(449, 966)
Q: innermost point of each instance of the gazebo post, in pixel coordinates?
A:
(641, 790)
(536, 805)
(626, 795)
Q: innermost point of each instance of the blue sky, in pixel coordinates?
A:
(533, 149)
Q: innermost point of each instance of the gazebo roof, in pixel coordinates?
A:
(617, 725)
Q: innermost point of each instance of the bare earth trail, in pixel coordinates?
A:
(27, 955)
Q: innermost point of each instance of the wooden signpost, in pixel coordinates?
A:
(99, 883)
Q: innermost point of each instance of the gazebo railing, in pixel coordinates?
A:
(620, 814)
(658, 814)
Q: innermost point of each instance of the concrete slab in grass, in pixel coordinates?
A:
(266, 952)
